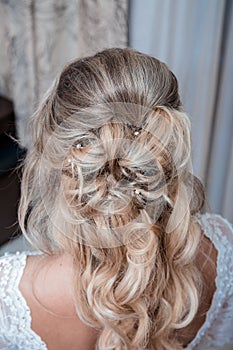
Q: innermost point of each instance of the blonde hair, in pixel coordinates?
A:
(108, 180)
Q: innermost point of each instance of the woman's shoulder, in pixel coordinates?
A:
(47, 287)
(47, 279)
(12, 268)
(15, 318)
(42, 294)
(217, 247)
(215, 261)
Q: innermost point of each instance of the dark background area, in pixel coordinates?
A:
(10, 157)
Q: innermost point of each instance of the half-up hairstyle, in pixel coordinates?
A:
(108, 179)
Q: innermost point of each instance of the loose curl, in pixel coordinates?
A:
(108, 180)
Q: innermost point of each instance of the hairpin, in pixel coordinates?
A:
(136, 191)
(78, 145)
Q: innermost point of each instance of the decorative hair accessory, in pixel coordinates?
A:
(77, 146)
(134, 129)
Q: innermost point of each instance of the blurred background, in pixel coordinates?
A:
(194, 38)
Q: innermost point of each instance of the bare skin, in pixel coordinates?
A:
(52, 307)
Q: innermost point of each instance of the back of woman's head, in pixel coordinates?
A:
(108, 180)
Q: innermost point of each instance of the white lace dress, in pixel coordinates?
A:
(15, 318)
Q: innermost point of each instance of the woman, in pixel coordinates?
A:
(126, 260)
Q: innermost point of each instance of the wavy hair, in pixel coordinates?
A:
(108, 179)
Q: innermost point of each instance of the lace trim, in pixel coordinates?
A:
(224, 286)
(18, 322)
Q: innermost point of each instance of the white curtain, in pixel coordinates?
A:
(38, 37)
(195, 39)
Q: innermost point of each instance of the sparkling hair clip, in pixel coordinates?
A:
(134, 129)
(79, 145)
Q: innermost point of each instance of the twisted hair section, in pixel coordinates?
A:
(108, 180)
